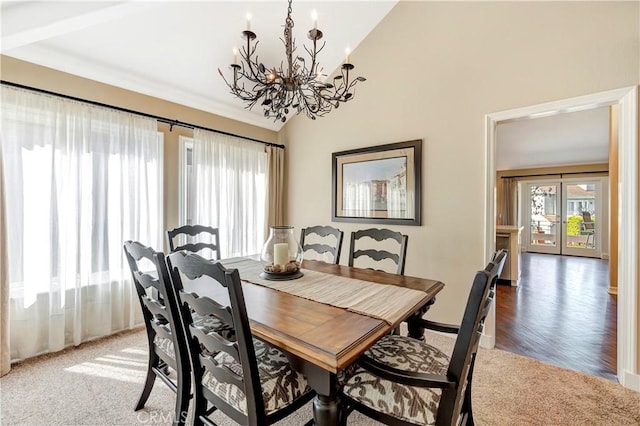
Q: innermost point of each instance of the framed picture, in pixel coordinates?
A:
(378, 184)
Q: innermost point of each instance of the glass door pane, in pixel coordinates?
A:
(582, 217)
(544, 217)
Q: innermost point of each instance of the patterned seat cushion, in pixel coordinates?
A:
(281, 385)
(413, 404)
(165, 345)
(209, 323)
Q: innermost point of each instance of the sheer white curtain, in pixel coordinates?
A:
(81, 180)
(230, 190)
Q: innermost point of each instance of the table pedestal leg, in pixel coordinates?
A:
(416, 330)
(326, 410)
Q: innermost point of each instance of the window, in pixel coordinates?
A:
(84, 179)
(223, 184)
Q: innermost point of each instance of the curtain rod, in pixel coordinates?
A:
(556, 174)
(165, 120)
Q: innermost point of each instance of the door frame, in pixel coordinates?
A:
(627, 321)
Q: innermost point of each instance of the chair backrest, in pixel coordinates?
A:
(587, 222)
(235, 360)
(323, 247)
(466, 345)
(494, 268)
(206, 236)
(159, 308)
(379, 255)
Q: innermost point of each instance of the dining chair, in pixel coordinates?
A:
(404, 381)
(245, 378)
(167, 346)
(379, 251)
(588, 228)
(325, 241)
(207, 238)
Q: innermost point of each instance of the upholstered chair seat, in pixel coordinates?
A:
(412, 404)
(165, 345)
(208, 323)
(281, 385)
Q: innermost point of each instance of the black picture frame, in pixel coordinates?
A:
(378, 184)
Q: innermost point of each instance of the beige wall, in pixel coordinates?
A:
(28, 74)
(434, 69)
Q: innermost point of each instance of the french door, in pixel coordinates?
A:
(565, 216)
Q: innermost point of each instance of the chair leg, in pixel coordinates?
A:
(199, 409)
(345, 410)
(182, 400)
(469, 410)
(148, 383)
(467, 407)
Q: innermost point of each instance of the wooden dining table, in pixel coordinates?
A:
(320, 340)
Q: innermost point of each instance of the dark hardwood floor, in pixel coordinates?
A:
(560, 313)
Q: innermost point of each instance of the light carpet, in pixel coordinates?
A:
(99, 382)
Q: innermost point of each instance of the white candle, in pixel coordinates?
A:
(314, 16)
(235, 56)
(248, 22)
(347, 52)
(280, 254)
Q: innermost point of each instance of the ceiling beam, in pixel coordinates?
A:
(31, 22)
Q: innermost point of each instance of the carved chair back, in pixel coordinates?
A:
(207, 238)
(330, 244)
(380, 255)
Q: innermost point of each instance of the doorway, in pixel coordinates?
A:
(559, 216)
(627, 188)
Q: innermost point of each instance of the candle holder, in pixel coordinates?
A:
(281, 255)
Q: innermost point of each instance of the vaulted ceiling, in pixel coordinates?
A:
(173, 50)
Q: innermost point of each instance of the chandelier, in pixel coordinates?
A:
(295, 86)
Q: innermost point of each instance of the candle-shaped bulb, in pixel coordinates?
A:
(248, 21)
(235, 56)
(271, 76)
(347, 52)
(314, 17)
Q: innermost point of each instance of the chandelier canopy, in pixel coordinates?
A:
(292, 86)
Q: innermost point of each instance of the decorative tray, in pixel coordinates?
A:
(291, 271)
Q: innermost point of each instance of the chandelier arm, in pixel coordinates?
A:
(313, 56)
(345, 80)
(248, 52)
(252, 64)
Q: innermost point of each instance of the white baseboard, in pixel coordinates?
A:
(487, 341)
(604, 256)
(631, 381)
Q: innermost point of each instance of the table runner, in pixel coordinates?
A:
(386, 302)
